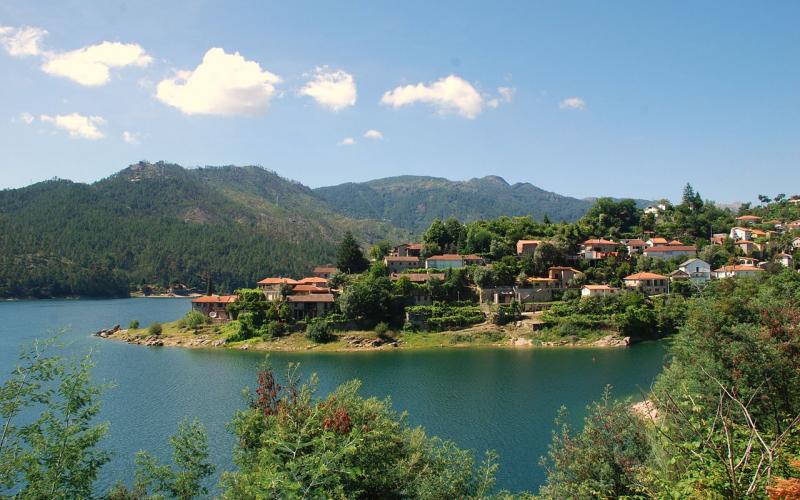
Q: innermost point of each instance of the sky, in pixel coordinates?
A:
(624, 98)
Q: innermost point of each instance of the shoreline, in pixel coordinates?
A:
(483, 336)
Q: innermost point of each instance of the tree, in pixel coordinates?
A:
(368, 298)
(292, 444)
(380, 250)
(349, 257)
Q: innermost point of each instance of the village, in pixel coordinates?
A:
(317, 295)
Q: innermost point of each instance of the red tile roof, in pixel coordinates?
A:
(600, 241)
(278, 281)
(401, 259)
(671, 248)
(325, 269)
(314, 297)
(215, 299)
(313, 279)
(600, 287)
(748, 217)
(659, 240)
(310, 289)
(644, 276)
(737, 267)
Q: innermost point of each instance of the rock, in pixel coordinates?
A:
(217, 343)
(115, 328)
(521, 342)
(244, 347)
(645, 410)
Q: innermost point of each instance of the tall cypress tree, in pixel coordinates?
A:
(349, 257)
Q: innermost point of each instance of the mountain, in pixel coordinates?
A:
(412, 202)
(161, 223)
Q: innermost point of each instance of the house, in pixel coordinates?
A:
(749, 219)
(272, 287)
(736, 271)
(785, 260)
(214, 306)
(407, 250)
(527, 247)
(417, 277)
(313, 280)
(649, 283)
(310, 305)
(497, 295)
(538, 289)
(563, 274)
(675, 243)
(303, 289)
(398, 264)
(670, 251)
(698, 270)
(597, 290)
(452, 261)
(635, 246)
(657, 241)
(741, 233)
(748, 247)
(678, 275)
(325, 271)
(747, 261)
(719, 238)
(597, 249)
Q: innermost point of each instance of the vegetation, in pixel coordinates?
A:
(723, 417)
(440, 316)
(292, 444)
(156, 225)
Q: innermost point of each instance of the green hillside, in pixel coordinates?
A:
(162, 224)
(412, 202)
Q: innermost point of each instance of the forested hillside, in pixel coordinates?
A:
(412, 202)
(161, 224)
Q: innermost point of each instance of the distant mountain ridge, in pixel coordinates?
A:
(412, 202)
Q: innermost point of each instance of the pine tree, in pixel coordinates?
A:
(349, 257)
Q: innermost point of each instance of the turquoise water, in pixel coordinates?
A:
(482, 399)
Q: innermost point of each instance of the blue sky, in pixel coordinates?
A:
(582, 98)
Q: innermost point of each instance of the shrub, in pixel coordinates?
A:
(319, 330)
(383, 332)
(134, 324)
(155, 329)
(272, 329)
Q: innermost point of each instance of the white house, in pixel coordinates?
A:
(597, 249)
(699, 271)
(785, 260)
(598, 290)
(741, 233)
(736, 271)
(649, 283)
(397, 264)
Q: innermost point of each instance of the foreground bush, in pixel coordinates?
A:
(293, 444)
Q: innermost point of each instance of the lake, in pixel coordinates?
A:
(498, 399)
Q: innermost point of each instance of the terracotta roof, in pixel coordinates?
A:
(278, 281)
(644, 276)
(675, 242)
(417, 277)
(215, 299)
(313, 279)
(314, 297)
(679, 273)
(748, 217)
(636, 242)
(563, 268)
(453, 256)
(671, 248)
(534, 280)
(401, 259)
(416, 246)
(310, 289)
(599, 241)
(600, 287)
(528, 242)
(325, 269)
(738, 267)
(659, 240)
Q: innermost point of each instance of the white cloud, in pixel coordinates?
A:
(506, 93)
(573, 103)
(26, 118)
(223, 84)
(90, 66)
(373, 134)
(20, 42)
(450, 94)
(131, 137)
(347, 141)
(334, 90)
(78, 126)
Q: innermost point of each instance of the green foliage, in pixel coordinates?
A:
(603, 460)
(292, 444)
(192, 320)
(349, 257)
(159, 224)
(368, 297)
(506, 314)
(49, 442)
(185, 480)
(134, 324)
(155, 329)
(439, 316)
(319, 330)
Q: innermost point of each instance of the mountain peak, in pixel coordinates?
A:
(495, 178)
